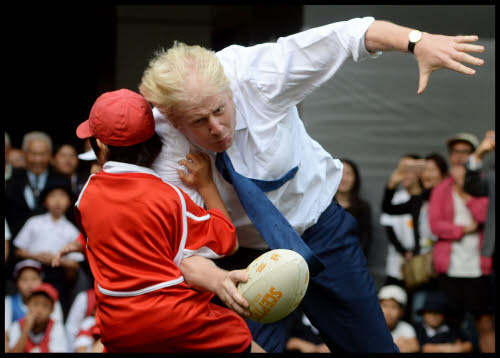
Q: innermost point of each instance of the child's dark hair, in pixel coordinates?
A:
(142, 154)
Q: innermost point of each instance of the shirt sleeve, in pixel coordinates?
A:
(7, 231)
(8, 312)
(282, 74)
(75, 316)
(14, 334)
(209, 233)
(57, 340)
(57, 313)
(24, 238)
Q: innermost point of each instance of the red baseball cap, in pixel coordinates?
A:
(119, 118)
(48, 289)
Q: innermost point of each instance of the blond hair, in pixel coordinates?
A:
(173, 76)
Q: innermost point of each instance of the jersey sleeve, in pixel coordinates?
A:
(209, 233)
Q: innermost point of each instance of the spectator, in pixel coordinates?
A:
(302, 336)
(88, 337)
(37, 332)
(348, 197)
(400, 228)
(433, 333)
(83, 306)
(22, 192)
(393, 300)
(7, 238)
(90, 157)
(65, 162)
(28, 274)
(44, 235)
(8, 166)
(456, 218)
(17, 158)
(431, 170)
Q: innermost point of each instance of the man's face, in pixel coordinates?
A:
(459, 153)
(66, 160)
(38, 156)
(208, 124)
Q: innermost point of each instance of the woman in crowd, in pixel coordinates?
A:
(348, 197)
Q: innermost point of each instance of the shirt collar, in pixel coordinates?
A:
(121, 168)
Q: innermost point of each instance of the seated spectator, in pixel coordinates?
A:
(393, 300)
(457, 219)
(23, 189)
(28, 274)
(37, 332)
(17, 158)
(400, 228)
(83, 306)
(44, 235)
(433, 333)
(348, 197)
(8, 236)
(302, 336)
(88, 337)
(65, 162)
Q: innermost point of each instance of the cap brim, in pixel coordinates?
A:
(90, 155)
(83, 130)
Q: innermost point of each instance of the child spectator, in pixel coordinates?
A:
(88, 338)
(83, 306)
(37, 332)
(393, 300)
(434, 335)
(43, 235)
(28, 275)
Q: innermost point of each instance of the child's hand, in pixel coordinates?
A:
(73, 246)
(227, 291)
(29, 321)
(200, 170)
(45, 258)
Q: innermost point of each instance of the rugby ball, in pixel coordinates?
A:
(277, 283)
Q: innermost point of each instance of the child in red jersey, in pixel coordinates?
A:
(37, 332)
(149, 245)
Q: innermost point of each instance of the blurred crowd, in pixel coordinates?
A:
(437, 215)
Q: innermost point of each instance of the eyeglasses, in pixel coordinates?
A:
(461, 151)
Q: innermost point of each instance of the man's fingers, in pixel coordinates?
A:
(463, 47)
(466, 38)
(423, 81)
(457, 66)
(465, 57)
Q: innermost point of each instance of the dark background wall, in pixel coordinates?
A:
(60, 58)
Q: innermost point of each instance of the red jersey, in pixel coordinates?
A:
(138, 230)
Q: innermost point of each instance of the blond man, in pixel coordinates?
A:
(242, 101)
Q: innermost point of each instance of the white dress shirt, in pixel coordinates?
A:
(268, 81)
(41, 233)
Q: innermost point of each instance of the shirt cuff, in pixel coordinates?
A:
(363, 52)
(473, 163)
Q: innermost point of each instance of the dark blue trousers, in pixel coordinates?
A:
(341, 301)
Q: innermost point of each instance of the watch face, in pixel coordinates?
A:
(415, 36)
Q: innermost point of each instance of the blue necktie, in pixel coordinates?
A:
(270, 223)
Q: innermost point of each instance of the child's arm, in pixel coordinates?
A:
(200, 178)
(202, 274)
(74, 246)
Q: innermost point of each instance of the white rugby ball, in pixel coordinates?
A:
(277, 283)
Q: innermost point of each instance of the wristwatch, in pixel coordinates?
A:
(414, 37)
